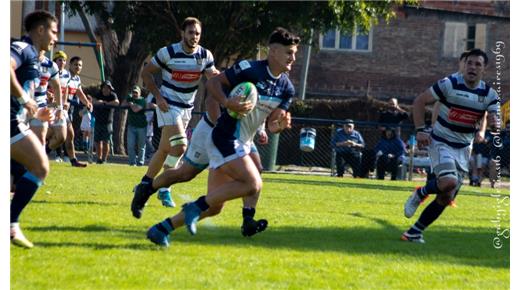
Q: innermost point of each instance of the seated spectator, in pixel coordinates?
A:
(348, 144)
(390, 151)
(392, 116)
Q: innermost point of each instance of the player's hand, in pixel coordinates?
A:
(480, 137)
(284, 121)
(66, 106)
(44, 114)
(423, 139)
(236, 104)
(162, 104)
(31, 107)
(89, 106)
(59, 114)
(262, 137)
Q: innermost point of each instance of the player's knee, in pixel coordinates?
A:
(254, 186)
(447, 184)
(41, 170)
(444, 198)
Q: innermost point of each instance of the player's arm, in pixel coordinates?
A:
(216, 87)
(211, 72)
(435, 112)
(279, 120)
(148, 72)
(481, 133)
(83, 98)
(419, 109)
(21, 96)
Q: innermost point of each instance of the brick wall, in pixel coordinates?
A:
(406, 58)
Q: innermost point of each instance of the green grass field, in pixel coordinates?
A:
(323, 232)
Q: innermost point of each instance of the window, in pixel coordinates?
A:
(335, 39)
(459, 36)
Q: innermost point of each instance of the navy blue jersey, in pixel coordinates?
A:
(27, 70)
(273, 92)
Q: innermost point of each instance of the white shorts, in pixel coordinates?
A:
(197, 154)
(85, 125)
(23, 130)
(174, 116)
(61, 122)
(38, 123)
(445, 158)
(234, 149)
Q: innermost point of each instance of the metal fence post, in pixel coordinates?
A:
(272, 151)
(333, 155)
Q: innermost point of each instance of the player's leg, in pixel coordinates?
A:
(381, 166)
(39, 129)
(57, 134)
(141, 145)
(69, 146)
(449, 180)
(29, 153)
(159, 233)
(250, 226)
(131, 136)
(340, 164)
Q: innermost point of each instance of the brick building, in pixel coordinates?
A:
(404, 57)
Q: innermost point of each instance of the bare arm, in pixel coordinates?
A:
(435, 113)
(83, 98)
(215, 88)
(148, 71)
(19, 93)
(419, 107)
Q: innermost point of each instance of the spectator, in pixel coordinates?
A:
(149, 148)
(390, 151)
(104, 117)
(136, 130)
(86, 130)
(499, 154)
(348, 144)
(392, 116)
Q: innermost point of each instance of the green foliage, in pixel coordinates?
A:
(324, 233)
(234, 28)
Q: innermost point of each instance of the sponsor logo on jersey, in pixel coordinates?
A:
(463, 116)
(185, 76)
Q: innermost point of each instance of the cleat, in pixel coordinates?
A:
(157, 237)
(165, 197)
(250, 227)
(141, 195)
(18, 238)
(78, 164)
(191, 216)
(417, 238)
(412, 203)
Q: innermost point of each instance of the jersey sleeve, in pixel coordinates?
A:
(161, 58)
(18, 52)
(55, 71)
(494, 103)
(238, 72)
(210, 62)
(440, 89)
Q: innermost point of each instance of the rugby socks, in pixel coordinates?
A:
(201, 203)
(428, 216)
(429, 188)
(17, 171)
(26, 187)
(148, 181)
(248, 213)
(165, 226)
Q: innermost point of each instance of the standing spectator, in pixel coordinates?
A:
(348, 144)
(104, 117)
(149, 148)
(390, 151)
(86, 130)
(392, 116)
(136, 130)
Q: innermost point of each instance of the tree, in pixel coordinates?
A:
(130, 31)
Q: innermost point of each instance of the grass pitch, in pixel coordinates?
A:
(324, 232)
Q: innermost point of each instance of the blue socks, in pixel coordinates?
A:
(248, 212)
(26, 187)
(201, 203)
(165, 226)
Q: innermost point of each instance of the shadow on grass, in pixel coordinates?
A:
(357, 185)
(456, 245)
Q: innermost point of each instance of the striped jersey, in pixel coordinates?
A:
(461, 108)
(181, 72)
(73, 84)
(273, 93)
(64, 76)
(48, 71)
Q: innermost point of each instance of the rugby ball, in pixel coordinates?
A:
(248, 92)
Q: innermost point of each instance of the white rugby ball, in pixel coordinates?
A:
(248, 92)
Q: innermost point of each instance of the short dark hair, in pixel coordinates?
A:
(464, 55)
(37, 18)
(478, 52)
(283, 36)
(190, 21)
(74, 59)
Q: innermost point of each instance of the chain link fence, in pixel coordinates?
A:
(284, 151)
